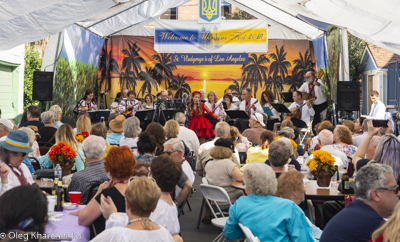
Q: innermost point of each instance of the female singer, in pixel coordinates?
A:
(267, 97)
(114, 105)
(87, 103)
(198, 123)
(148, 102)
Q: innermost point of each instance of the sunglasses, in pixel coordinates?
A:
(395, 188)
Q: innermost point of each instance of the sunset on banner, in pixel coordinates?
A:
(285, 62)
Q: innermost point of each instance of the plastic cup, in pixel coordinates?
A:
(75, 197)
(51, 203)
(44, 181)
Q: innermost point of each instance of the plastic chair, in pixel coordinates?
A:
(204, 181)
(216, 194)
(249, 235)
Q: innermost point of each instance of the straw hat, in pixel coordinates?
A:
(17, 141)
(116, 124)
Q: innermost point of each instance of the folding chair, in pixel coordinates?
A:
(216, 194)
(249, 235)
(204, 181)
(35, 163)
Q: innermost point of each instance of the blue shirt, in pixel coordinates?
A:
(269, 218)
(355, 223)
(114, 138)
(45, 162)
(28, 163)
(57, 124)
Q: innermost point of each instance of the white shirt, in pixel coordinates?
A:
(165, 215)
(233, 107)
(359, 139)
(130, 142)
(378, 110)
(113, 108)
(122, 106)
(252, 101)
(340, 158)
(13, 179)
(306, 111)
(190, 138)
(234, 99)
(122, 234)
(313, 143)
(187, 169)
(217, 111)
(318, 90)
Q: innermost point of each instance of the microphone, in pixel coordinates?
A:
(184, 96)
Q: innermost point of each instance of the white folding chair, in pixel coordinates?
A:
(249, 235)
(204, 180)
(215, 194)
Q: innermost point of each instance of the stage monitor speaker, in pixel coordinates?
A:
(348, 96)
(42, 86)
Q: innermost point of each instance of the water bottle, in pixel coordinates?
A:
(305, 157)
(57, 172)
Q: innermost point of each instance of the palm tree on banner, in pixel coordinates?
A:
(149, 82)
(164, 68)
(180, 86)
(280, 65)
(303, 65)
(275, 84)
(107, 66)
(255, 72)
(295, 81)
(131, 66)
(237, 89)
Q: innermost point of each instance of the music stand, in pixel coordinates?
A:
(298, 123)
(144, 114)
(96, 115)
(280, 108)
(237, 114)
(287, 97)
(169, 113)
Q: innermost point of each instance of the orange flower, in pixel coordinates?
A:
(61, 151)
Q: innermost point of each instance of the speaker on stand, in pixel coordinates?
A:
(42, 86)
(348, 96)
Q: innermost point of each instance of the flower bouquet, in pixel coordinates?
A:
(63, 154)
(292, 141)
(81, 136)
(322, 167)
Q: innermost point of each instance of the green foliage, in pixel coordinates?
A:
(356, 49)
(33, 62)
(240, 14)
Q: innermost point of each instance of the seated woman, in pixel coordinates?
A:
(83, 123)
(65, 134)
(240, 142)
(293, 164)
(269, 218)
(146, 147)
(131, 128)
(57, 115)
(142, 196)
(148, 102)
(116, 126)
(32, 138)
(290, 186)
(22, 217)
(312, 143)
(260, 153)
(13, 151)
(344, 140)
(114, 105)
(157, 131)
(221, 171)
(171, 129)
(119, 164)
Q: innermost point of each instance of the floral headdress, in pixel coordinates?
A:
(196, 92)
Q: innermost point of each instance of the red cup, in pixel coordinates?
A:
(75, 197)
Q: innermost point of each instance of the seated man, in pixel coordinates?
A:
(5, 127)
(306, 110)
(278, 157)
(48, 132)
(376, 195)
(93, 147)
(100, 130)
(33, 114)
(187, 135)
(167, 173)
(257, 125)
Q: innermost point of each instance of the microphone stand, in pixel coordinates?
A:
(197, 128)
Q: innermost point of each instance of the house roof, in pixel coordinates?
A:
(381, 56)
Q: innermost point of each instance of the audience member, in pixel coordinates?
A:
(277, 219)
(13, 151)
(83, 123)
(293, 163)
(83, 181)
(287, 132)
(157, 131)
(376, 195)
(131, 128)
(33, 114)
(312, 143)
(187, 135)
(5, 127)
(65, 134)
(256, 124)
(99, 129)
(31, 138)
(364, 132)
(23, 212)
(325, 138)
(344, 140)
(48, 132)
(116, 125)
(350, 125)
(291, 186)
(57, 115)
(358, 127)
(119, 165)
(142, 196)
(171, 129)
(389, 231)
(24, 118)
(260, 153)
(278, 156)
(240, 142)
(146, 147)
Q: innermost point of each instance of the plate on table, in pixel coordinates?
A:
(69, 206)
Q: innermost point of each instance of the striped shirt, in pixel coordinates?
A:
(84, 179)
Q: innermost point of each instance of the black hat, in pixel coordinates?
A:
(225, 143)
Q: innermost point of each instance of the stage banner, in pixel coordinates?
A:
(209, 11)
(236, 36)
(210, 59)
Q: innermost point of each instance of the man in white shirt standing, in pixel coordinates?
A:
(306, 111)
(378, 108)
(320, 104)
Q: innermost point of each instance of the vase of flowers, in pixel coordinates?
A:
(322, 167)
(80, 137)
(63, 154)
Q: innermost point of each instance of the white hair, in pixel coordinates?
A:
(222, 129)
(31, 134)
(94, 147)
(326, 137)
(288, 143)
(260, 179)
(371, 176)
(180, 118)
(131, 127)
(177, 144)
(47, 117)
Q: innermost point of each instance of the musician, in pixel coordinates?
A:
(165, 102)
(378, 108)
(87, 103)
(249, 104)
(228, 91)
(320, 104)
(267, 97)
(212, 103)
(170, 95)
(203, 95)
(114, 105)
(124, 92)
(148, 105)
(129, 106)
(306, 111)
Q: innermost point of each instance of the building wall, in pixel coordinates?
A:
(188, 11)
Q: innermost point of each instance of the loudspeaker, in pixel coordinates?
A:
(348, 96)
(42, 86)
